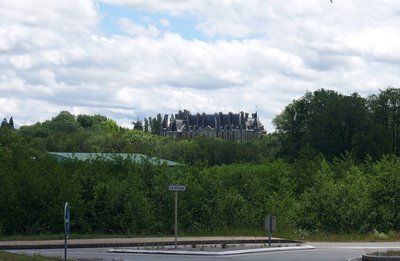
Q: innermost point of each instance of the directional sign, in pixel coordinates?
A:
(270, 223)
(66, 220)
(176, 188)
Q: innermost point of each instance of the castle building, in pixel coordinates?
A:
(225, 126)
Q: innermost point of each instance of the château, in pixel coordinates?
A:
(228, 126)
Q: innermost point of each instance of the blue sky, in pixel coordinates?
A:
(129, 59)
(184, 25)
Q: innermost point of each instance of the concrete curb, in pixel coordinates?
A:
(380, 258)
(207, 253)
(355, 259)
(135, 242)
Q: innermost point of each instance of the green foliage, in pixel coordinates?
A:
(5, 256)
(138, 125)
(385, 195)
(395, 253)
(9, 124)
(338, 206)
(308, 195)
(333, 124)
(91, 122)
(385, 112)
(323, 171)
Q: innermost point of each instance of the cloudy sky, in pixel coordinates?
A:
(129, 59)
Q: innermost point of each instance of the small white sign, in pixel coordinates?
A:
(176, 188)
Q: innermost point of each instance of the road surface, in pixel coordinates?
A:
(322, 251)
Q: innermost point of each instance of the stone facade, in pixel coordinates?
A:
(225, 126)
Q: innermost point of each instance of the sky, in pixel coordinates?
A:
(130, 59)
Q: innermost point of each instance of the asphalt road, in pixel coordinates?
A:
(322, 251)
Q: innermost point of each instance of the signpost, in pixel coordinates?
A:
(66, 227)
(270, 226)
(176, 189)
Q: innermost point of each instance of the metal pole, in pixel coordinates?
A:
(65, 230)
(270, 230)
(176, 219)
(65, 247)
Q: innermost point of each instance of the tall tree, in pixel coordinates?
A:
(11, 123)
(385, 109)
(155, 124)
(4, 123)
(138, 125)
(146, 125)
(89, 121)
(330, 122)
(64, 122)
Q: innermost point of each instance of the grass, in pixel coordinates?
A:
(32, 237)
(313, 237)
(72, 236)
(374, 236)
(4, 256)
(386, 253)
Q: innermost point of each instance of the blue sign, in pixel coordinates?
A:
(66, 219)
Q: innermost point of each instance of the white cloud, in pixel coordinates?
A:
(12, 85)
(255, 54)
(70, 15)
(135, 29)
(165, 22)
(21, 61)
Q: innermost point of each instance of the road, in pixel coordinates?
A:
(322, 251)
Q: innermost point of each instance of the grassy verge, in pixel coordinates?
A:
(4, 256)
(332, 237)
(386, 253)
(313, 237)
(289, 234)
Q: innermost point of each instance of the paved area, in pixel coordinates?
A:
(322, 251)
(132, 242)
(210, 250)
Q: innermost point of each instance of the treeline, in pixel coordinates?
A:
(331, 166)
(324, 121)
(95, 133)
(333, 124)
(310, 194)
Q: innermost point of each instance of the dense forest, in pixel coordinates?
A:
(330, 166)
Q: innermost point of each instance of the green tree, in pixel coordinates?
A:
(4, 123)
(385, 109)
(146, 125)
(385, 196)
(138, 125)
(11, 123)
(155, 124)
(331, 123)
(64, 122)
(109, 126)
(334, 206)
(91, 122)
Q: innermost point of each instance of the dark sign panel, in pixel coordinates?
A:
(176, 188)
(66, 220)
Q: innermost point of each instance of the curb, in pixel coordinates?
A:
(380, 258)
(15, 245)
(355, 259)
(207, 253)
